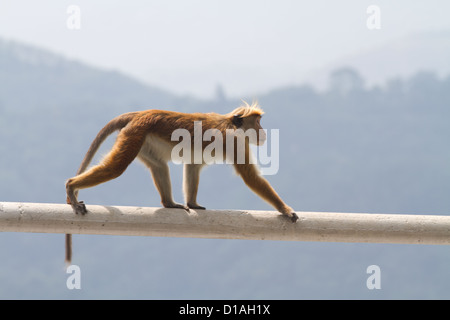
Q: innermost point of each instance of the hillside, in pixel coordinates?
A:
(347, 149)
(399, 58)
(30, 76)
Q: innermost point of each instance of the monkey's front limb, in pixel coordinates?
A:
(262, 187)
(191, 178)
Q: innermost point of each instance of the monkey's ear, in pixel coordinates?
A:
(237, 120)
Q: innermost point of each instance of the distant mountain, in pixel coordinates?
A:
(426, 51)
(32, 77)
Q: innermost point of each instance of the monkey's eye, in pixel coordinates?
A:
(237, 120)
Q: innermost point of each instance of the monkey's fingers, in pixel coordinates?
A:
(196, 206)
(177, 206)
(292, 216)
(79, 208)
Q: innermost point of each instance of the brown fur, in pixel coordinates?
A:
(147, 135)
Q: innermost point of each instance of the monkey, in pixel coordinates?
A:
(147, 135)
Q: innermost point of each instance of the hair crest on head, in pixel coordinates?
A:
(246, 110)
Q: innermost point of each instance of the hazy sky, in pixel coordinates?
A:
(189, 46)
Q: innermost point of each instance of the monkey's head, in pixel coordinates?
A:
(248, 118)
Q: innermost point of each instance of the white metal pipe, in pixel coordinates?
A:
(225, 224)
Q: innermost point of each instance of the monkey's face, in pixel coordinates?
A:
(253, 123)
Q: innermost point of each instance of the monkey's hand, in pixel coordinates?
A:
(294, 217)
(176, 206)
(195, 206)
(291, 215)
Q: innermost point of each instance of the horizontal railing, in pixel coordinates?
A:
(225, 224)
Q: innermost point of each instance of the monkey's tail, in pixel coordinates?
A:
(115, 124)
(68, 259)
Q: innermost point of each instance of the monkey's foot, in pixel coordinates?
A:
(292, 216)
(176, 206)
(195, 206)
(79, 208)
